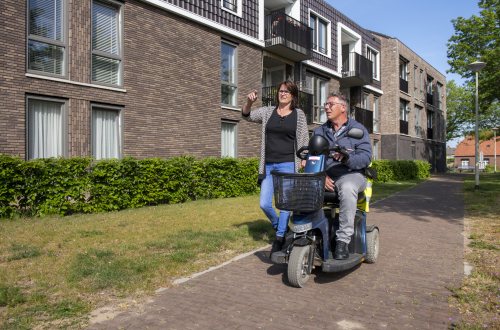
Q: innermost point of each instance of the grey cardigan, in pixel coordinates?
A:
(262, 115)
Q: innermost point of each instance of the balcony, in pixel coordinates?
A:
(403, 85)
(365, 117)
(287, 37)
(305, 101)
(357, 70)
(403, 127)
(430, 99)
(430, 136)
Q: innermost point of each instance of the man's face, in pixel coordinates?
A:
(334, 108)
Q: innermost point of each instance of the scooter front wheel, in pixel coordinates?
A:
(298, 266)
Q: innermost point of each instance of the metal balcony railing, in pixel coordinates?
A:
(403, 85)
(357, 70)
(287, 37)
(365, 117)
(403, 127)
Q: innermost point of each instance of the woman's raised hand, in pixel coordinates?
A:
(252, 96)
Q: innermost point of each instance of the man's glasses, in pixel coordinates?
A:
(284, 91)
(330, 104)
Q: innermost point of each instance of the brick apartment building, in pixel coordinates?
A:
(161, 78)
(412, 123)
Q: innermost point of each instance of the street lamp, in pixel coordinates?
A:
(495, 145)
(476, 67)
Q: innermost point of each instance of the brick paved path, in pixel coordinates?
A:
(421, 254)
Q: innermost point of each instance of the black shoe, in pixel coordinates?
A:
(341, 251)
(277, 244)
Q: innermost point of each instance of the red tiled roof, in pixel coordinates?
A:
(466, 147)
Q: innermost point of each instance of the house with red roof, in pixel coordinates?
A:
(464, 153)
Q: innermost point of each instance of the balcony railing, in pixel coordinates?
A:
(403, 127)
(357, 70)
(430, 135)
(430, 98)
(305, 101)
(365, 117)
(287, 37)
(403, 85)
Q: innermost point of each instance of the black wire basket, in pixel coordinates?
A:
(299, 191)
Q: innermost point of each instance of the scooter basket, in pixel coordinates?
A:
(298, 191)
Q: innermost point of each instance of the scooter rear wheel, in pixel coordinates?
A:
(297, 266)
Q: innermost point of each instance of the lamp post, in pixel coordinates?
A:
(495, 146)
(476, 67)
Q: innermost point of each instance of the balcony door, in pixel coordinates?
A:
(273, 76)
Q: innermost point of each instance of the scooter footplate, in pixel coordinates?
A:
(333, 265)
(278, 257)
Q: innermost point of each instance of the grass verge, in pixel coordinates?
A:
(54, 271)
(478, 297)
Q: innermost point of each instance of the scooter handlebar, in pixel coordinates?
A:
(301, 152)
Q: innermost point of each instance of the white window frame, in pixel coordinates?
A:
(118, 57)
(430, 82)
(237, 3)
(328, 29)
(375, 154)
(418, 121)
(354, 47)
(119, 110)
(319, 88)
(234, 152)
(403, 69)
(404, 111)
(63, 140)
(370, 53)
(231, 84)
(51, 42)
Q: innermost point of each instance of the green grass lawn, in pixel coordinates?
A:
(54, 271)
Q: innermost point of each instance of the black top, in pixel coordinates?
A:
(280, 137)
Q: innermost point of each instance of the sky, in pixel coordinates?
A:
(423, 25)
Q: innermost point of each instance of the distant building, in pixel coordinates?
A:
(465, 154)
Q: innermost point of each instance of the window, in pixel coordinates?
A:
(228, 139)
(465, 163)
(403, 69)
(319, 88)
(320, 29)
(439, 96)
(375, 149)
(106, 132)
(416, 83)
(418, 127)
(421, 83)
(365, 101)
(376, 114)
(233, 6)
(228, 69)
(429, 119)
(45, 128)
(403, 110)
(46, 36)
(372, 55)
(429, 85)
(413, 150)
(106, 43)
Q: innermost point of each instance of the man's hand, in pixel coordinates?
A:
(329, 184)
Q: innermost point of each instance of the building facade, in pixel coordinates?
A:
(162, 78)
(413, 123)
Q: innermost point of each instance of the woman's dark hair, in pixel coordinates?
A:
(294, 91)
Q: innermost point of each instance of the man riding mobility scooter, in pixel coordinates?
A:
(314, 220)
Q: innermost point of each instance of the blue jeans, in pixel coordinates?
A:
(280, 223)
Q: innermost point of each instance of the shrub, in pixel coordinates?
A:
(401, 170)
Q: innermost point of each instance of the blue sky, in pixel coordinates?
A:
(423, 25)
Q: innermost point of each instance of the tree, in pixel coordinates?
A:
(476, 38)
(459, 110)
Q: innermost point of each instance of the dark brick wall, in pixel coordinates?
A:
(171, 91)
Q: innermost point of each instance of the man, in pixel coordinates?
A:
(347, 173)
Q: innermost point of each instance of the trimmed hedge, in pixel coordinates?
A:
(80, 185)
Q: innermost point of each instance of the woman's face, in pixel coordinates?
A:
(284, 95)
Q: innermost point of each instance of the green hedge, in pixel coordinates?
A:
(401, 170)
(81, 185)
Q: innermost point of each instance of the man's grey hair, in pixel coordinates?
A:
(340, 96)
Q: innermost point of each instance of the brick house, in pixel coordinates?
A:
(161, 78)
(413, 124)
(465, 153)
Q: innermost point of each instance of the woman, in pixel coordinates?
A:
(284, 131)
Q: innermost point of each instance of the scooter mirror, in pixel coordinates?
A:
(355, 133)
